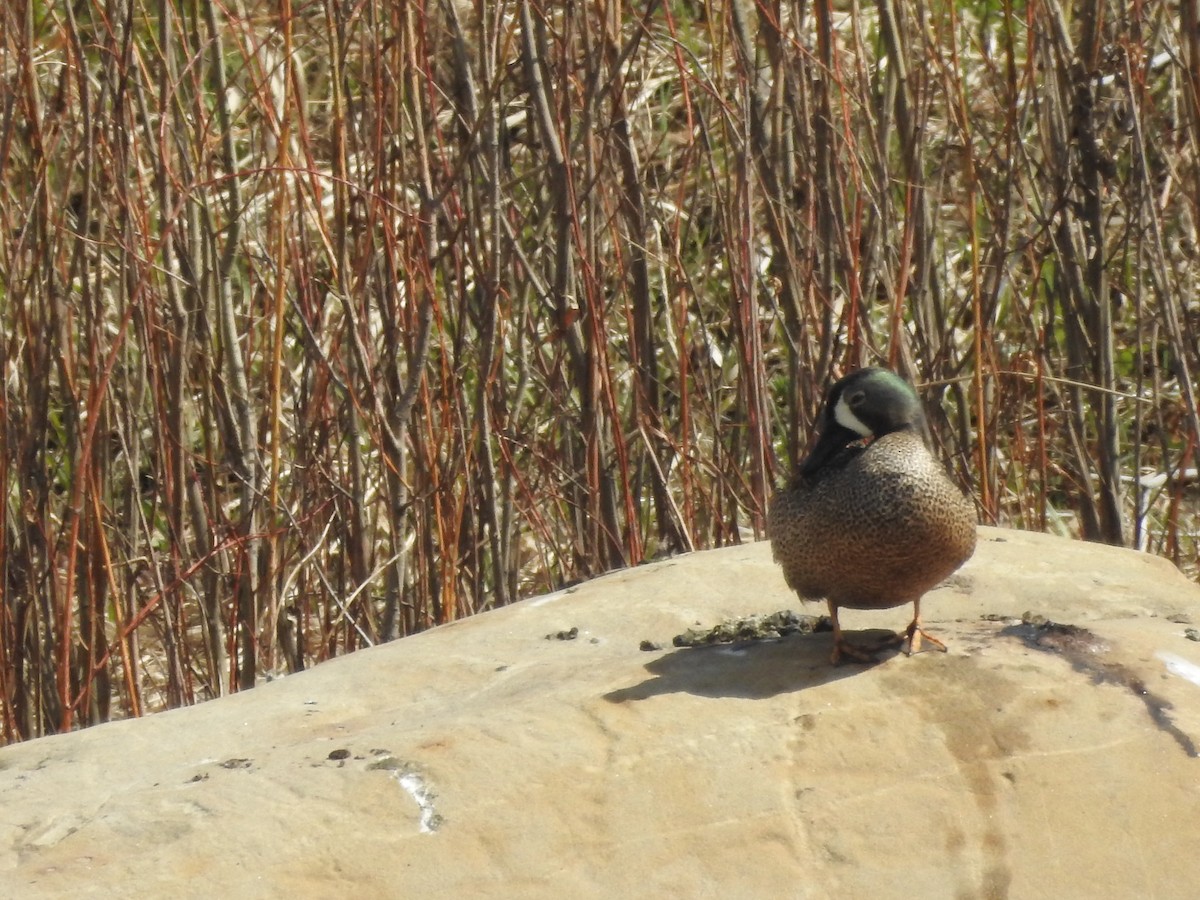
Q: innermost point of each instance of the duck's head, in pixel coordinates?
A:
(866, 404)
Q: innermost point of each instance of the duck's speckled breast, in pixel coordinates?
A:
(878, 532)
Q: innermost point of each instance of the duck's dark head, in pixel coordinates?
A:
(866, 404)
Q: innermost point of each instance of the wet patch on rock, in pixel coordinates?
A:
(1085, 652)
(1070, 640)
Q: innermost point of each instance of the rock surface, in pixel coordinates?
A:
(482, 759)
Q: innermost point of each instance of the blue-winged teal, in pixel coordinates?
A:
(871, 520)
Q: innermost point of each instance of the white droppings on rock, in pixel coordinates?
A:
(418, 789)
(1177, 665)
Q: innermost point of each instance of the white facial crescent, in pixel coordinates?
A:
(847, 419)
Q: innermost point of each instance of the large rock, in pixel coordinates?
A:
(482, 759)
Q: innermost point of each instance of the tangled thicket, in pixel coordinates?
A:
(325, 323)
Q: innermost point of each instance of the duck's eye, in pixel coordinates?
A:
(857, 398)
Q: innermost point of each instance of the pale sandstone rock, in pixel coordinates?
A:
(487, 761)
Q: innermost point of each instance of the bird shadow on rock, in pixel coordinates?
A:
(753, 669)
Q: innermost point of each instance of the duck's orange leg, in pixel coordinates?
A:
(843, 646)
(915, 632)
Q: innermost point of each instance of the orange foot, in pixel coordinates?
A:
(913, 635)
(842, 647)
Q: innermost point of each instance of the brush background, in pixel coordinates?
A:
(325, 323)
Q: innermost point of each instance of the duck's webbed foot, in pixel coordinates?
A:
(843, 648)
(914, 633)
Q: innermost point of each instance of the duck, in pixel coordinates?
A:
(871, 519)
